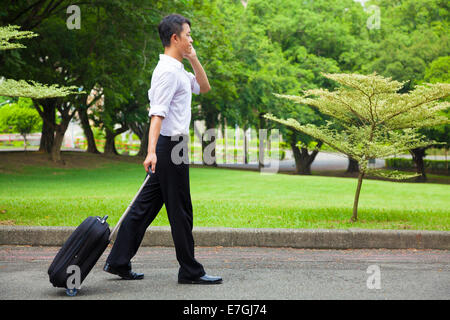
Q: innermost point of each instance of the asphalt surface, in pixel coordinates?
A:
(324, 161)
(253, 273)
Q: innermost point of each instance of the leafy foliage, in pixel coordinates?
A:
(377, 121)
(22, 88)
(11, 32)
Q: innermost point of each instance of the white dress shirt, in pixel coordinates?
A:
(170, 95)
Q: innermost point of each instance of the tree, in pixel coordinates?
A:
(103, 54)
(22, 88)
(312, 37)
(437, 71)
(378, 121)
(213, 24)
(413, 34)
(24, 120)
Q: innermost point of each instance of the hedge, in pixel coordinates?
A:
(406, 164)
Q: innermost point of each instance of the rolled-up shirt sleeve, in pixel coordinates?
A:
(161, 94)
(195, 87)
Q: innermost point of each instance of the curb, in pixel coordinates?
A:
(230, 237)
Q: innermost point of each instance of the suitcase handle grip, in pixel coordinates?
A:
(116, 228)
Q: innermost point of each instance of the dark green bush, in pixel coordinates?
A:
(408, 164)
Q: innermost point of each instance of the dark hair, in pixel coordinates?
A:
(169, 25)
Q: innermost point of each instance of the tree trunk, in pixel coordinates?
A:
(59, 135)
(355, 203)
(303, 159)
(110, 146)
(210, 128)
(446, 162)
(297, 157)
(141, 130)
(56, 148)
(144, 142)
(209, 148)
(25, 142)
(225, 139)
(53, 132)
(418, 154)
(48, 115)
(261, 148)
(352, 166)
(262, 126)
(245, 146)
(91, 146)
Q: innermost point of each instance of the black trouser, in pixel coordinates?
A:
(169, 185)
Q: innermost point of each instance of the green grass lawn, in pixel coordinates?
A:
(49, 196)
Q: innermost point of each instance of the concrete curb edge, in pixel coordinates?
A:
(229, 237)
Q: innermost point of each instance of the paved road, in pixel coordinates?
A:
(324, 161)
(249, 273)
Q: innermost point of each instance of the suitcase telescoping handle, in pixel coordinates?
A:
(116, 228)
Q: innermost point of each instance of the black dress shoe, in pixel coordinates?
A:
(206, 279)
(126, 275)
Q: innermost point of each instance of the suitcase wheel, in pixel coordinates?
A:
(71, 292)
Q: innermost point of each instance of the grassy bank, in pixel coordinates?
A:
(36, 193)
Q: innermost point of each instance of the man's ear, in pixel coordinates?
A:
(174, 38)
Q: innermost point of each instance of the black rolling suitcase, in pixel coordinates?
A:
(82, 249)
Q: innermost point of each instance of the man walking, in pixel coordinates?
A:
(170, 98)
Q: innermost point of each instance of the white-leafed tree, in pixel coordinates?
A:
(371, 119)
(22, 88)
(28, 89)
